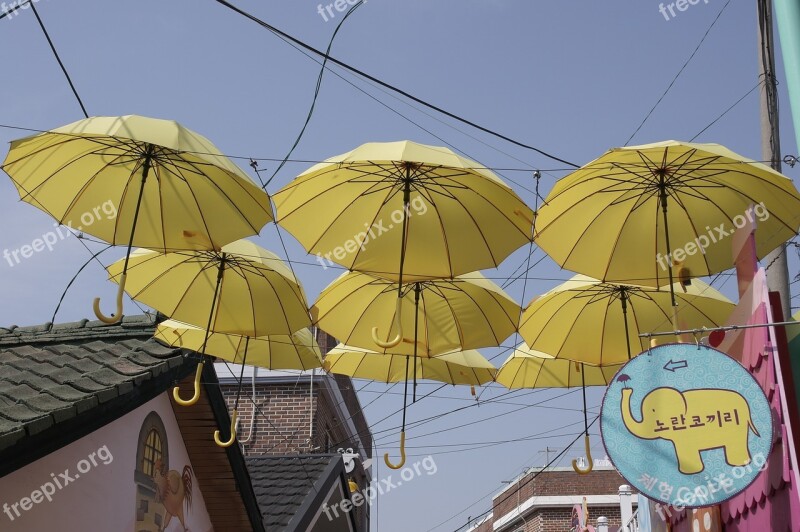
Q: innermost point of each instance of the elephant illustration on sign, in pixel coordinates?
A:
(694, 421)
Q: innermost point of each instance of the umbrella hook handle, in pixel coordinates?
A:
(575, 465)
(224, 444)
(176, 392)
(118, 316)
(402, 453)
(398, 323)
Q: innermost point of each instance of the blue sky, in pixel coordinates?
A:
(571, 78)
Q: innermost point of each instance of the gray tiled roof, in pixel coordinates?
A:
(282, 483)
(51, 374)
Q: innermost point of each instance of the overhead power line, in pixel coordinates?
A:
(384, 84)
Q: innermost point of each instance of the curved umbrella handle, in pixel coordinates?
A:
(177, 391)
(398, 323)
(575, 465)
(402, 453)
(228, 443)
(118, 316)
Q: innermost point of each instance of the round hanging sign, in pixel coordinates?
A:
(686, 425)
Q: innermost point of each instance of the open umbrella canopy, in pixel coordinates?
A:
(460, 217)
(457, 367)
(296, 351)
(463, 313)
(193, 197)
(526, 368)
(242, 289)
(606, 219)
(584, 319)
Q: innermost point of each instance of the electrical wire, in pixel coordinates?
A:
(316, 92)
(506, 497)
(386, 85)
(58, 58)
(674, 79)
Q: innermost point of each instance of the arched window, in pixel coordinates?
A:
(153, 451)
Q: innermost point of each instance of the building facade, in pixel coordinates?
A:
(543, 500)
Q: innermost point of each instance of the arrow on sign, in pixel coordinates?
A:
(673, 365)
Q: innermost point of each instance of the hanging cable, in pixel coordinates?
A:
(363, 74)
(671, 83)
(60, 63)
(316, 92)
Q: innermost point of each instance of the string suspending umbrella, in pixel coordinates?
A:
(298, 351)
(457, 367)
(526, 368)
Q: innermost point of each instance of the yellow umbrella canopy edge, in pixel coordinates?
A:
(526, 368)
(467, 312)
(457, 367)
(582, 319)
(298, 351)
(356, 201)
(595, 217)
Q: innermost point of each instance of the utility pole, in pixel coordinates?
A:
(776, 263)
(547, 451)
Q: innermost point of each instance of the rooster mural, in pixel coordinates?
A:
(173, 491)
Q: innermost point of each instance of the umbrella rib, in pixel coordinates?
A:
(88, 183)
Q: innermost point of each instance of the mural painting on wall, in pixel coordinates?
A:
(162, 494)
(61, 491)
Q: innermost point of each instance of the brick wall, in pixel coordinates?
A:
(281, 423)
(558, 520)
(556, 483)
(598, 482)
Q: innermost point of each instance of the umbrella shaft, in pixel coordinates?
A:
(241, 374)
(405, 397)
(145, 170)
(583, 385)
(666, 237)
(416, 330)
(406, 202)
(624, 299)
(220, 272)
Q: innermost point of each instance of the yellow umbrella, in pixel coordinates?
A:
(296, 351)
(459, 216)
(92, 175)
(242, 289)
(633, 214)
(463, 313)
(598, 323)
(526, 368)
(456, 367)
(454, 215)
(277, 351)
